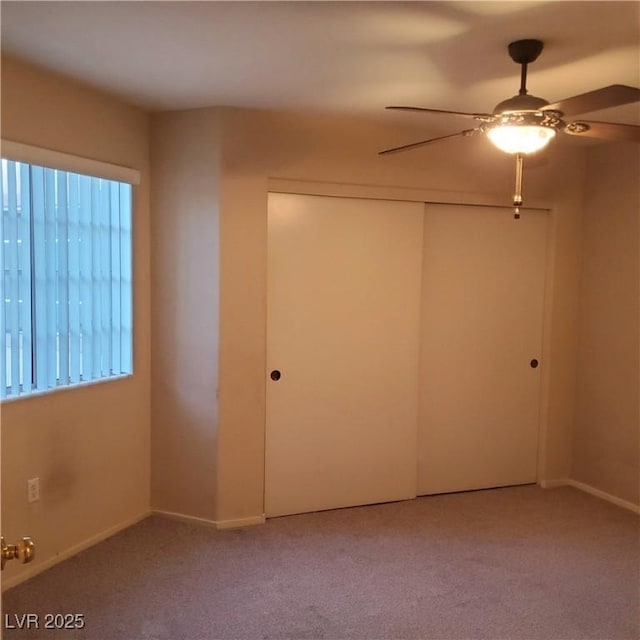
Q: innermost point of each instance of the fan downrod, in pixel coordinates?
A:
(525, 51)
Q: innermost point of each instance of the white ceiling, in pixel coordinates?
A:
(350, 57)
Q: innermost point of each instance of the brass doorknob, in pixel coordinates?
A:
(24, 551)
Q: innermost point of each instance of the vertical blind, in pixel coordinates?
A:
(67, 276)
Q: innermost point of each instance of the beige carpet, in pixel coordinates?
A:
(517, 563)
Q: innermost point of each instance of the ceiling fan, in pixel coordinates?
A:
(524, 123)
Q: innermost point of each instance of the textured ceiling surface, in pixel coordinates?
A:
(339, 57)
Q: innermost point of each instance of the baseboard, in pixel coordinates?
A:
(218, 524)
(625, 504)
(550, 484)
(31, 571)
(240, 522)
(603, 495)
(184, 518)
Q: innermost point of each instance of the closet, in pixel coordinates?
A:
(400, 347)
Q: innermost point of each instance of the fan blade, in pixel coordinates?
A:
(611, 96)
(604, 130)
(422, 143)
(481, 116)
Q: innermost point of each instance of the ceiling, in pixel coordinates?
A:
(339, 57)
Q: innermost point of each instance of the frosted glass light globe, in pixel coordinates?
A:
(521, 138)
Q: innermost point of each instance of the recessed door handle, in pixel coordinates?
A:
(275, 375)
(534, 363)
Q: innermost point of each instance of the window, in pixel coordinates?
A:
(66, 261)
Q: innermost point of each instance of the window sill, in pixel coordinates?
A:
(69, 387)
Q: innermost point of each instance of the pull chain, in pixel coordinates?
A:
(517, 198)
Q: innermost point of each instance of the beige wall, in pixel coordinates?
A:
(89, 446)
(606, 443)
(243, 259)
(184, 231)
(562, 309)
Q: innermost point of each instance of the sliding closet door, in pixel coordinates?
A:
(342, 352)
(481, 330)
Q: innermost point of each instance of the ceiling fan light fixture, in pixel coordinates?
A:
(524, 123)
(521, 138)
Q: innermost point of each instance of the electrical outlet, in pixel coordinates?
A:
(33, 489)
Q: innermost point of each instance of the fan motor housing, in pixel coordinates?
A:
(549, 119)
(522, 102)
